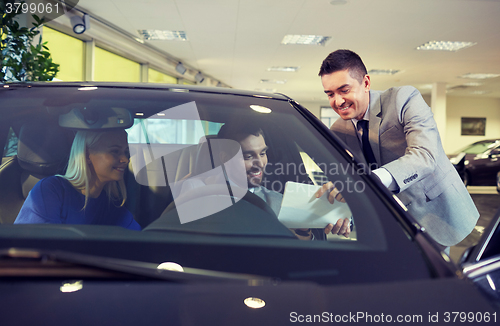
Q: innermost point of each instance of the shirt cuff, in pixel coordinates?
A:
(386, 179)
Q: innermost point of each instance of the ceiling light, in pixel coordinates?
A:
(273, 81)
(266, 90)
(338, 2)
(472, 84)
(285, 69)
(71, 286)
(170, 266)
(180, 68)
(254, 303)
(306, 39)
(180, 90)
(445, 45)
(260, 109)
(150, 34)
(479, 76)
(383, 72)
(479, 92)
(87, 88)
(80, 24)
(199, 77)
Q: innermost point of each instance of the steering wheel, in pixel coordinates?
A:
(220, 190)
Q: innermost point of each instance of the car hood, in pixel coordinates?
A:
(164, 303)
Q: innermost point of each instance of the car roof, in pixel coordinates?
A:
(152, 86)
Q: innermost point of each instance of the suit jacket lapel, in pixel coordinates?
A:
(375, 120)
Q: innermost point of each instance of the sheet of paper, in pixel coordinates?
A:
(301, 209)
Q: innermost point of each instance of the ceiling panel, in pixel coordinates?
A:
(236, 41)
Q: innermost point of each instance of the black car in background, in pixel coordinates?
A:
(236, 266)
(478, 163)
(498, 182)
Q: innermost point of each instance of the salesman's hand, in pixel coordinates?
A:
(333, 193)
(342, 227)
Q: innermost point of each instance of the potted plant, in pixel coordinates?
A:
(22, 60)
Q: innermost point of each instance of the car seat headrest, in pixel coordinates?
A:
(43, 148)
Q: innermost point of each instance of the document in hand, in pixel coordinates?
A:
(301, 209)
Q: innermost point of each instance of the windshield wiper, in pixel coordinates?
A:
(17, 262)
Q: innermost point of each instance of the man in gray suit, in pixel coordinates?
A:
(394, 130)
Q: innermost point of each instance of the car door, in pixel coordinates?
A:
(492, 166)
(481, 263)
(486, 165)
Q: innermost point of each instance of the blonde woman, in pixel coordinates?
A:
(91, 192)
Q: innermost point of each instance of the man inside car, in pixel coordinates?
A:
(254, 150)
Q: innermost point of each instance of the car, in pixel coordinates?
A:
(498, 182)
(217, 254)
(478, 163)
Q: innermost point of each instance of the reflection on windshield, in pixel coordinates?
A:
(226, 166)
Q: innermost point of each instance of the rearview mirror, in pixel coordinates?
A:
(88, 118)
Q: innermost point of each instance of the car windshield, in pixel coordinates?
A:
(479, 147)
(189, 189)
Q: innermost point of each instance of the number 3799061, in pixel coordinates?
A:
(470, 317)
(33, 8)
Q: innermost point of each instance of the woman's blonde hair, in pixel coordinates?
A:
(78, 172)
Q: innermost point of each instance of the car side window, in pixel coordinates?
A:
(10, 148)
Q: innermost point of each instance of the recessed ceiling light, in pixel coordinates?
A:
(266, 90)
(338, 2)
(87, 88)
(444, 46)
(260, 109)
(479, 76)
(170, 266)
(306, 39)
(273, 81)
(286, 69)
(254, 303)
(71, 286)
(383, 71)
(425, 86)
(472, 84)
(150, 34)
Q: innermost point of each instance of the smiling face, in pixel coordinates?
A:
(109, 157)
(348, 97)
(254, 151)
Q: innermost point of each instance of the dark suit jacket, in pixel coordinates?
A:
(405, 140)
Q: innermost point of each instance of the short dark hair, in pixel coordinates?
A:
(342, 60)
(239, 131)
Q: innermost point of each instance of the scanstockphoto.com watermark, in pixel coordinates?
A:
(470, 318)
(346, 186)
(338, 174)
(331, 169)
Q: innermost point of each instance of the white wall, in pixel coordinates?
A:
(314, 107)
(470, 107)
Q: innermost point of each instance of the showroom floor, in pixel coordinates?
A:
(487, 201)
